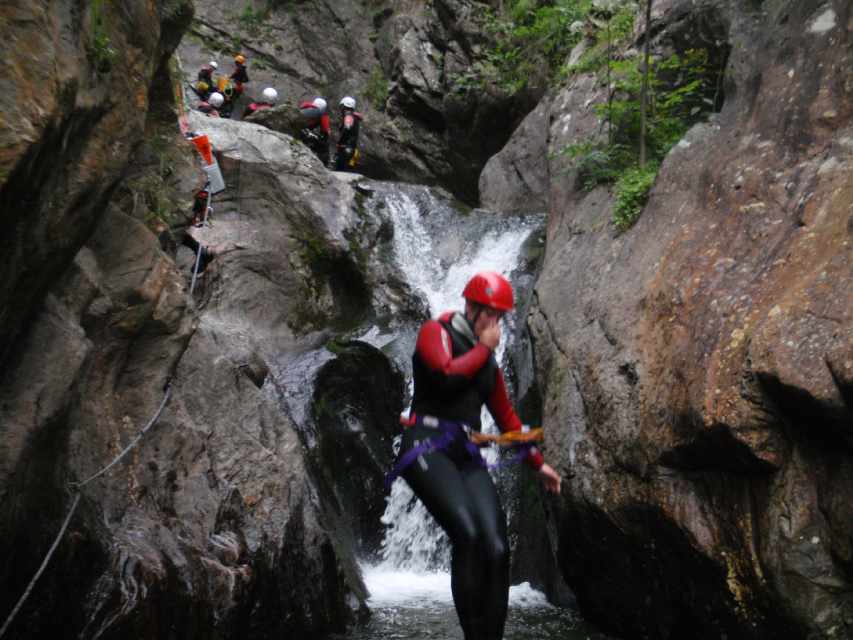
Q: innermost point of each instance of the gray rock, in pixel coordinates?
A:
(66, 138)
(690, 368)
(517, 178)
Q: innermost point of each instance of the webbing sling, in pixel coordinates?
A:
(450, 431)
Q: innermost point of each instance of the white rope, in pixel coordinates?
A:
(76, 487)
(133, 442)
(42, 567)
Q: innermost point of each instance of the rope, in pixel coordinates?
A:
(509, 438)
(201, 246)
(42, 567)
(76, 487)
(133, 443)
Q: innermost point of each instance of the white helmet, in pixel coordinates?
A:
(216, 99)
(212, 64)
(348, 102)
(270, 95)
(319, 103)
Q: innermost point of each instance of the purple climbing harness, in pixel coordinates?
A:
(448, 431)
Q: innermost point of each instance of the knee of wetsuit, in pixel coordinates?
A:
(464, 534)
(496, 550)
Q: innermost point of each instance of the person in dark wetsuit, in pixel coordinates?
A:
(205, 74)
(347, 148)
(212, 105)
(200, 214)
(455, 373)
(240, 75)
(315, 133)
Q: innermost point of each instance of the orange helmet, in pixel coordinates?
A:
(489, 289)
(240, 58)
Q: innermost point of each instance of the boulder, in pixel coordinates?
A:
(284, 118)
(65, 138)
(358, 397)
(517, 178)
(695, 370)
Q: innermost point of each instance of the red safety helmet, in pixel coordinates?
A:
(489, 289)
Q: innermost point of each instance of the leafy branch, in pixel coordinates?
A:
(99, 49)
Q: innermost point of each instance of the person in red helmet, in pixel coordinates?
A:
(455, 373)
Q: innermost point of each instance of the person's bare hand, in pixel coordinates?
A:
(550, 478)
(490, 335)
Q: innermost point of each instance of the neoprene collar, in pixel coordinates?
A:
(461, 324)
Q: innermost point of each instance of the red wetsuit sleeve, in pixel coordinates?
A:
(507, 420)
(435, 352)
(325, 124)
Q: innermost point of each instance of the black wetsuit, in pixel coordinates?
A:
(455, 487)
(240, 76)
(347, 139)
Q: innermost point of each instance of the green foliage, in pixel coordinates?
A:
(607, 35)
(153, 198)
(253, 19)
(622, 24)
(598, 163)
(99, 49)
(632, 192)
(377, 88)
(530, 42)
(682, 91)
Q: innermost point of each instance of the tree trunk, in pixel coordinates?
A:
(644, 91)
(609, 89)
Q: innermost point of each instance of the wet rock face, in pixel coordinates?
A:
(518, 177)
(696, 370)
(216, 525)
(74, 102)
(399, 60)
(358, 397)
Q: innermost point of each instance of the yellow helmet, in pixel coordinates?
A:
(240, 58)
(202, 86)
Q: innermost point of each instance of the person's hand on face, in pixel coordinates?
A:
(488, 328)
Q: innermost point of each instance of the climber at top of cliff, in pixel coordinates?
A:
(347, 149)
(318, 129)
(239, 76)
(205, 74)
(270, 96)
(211, 106)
